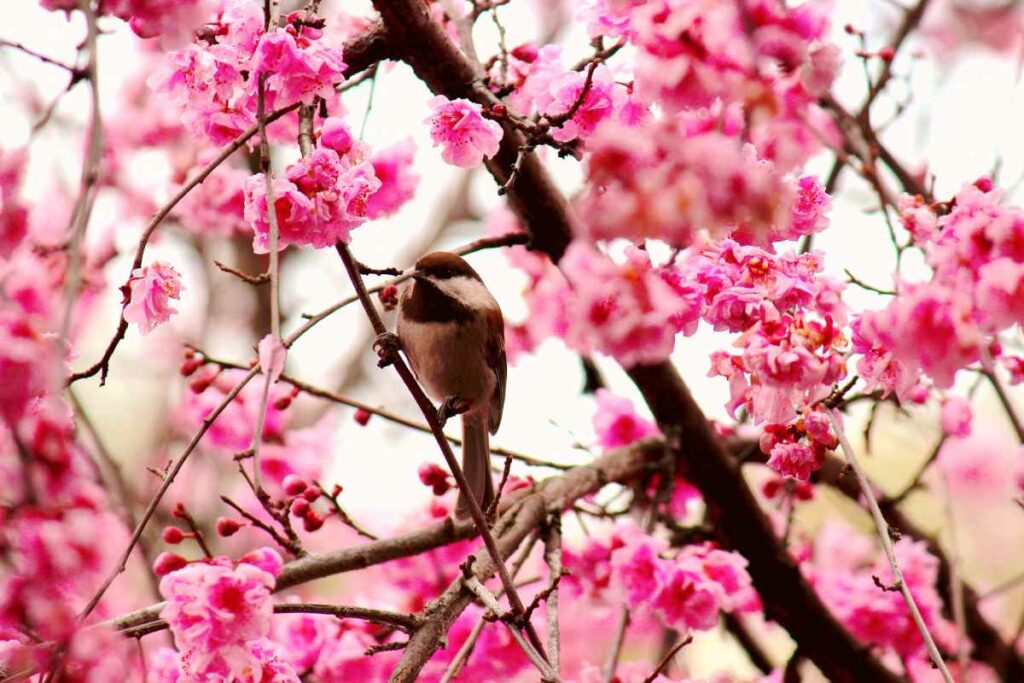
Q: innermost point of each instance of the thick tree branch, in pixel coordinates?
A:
(422, 42)
(618, 466)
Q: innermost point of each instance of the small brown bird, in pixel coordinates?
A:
(453, 333)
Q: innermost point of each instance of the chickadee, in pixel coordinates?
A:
(453, 333)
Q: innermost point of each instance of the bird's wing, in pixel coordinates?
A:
(496, 360)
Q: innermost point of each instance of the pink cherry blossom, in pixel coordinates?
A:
(640, 570)
(393, 167)
(321, 199)
(215, 608)
(335, 134)
(617, 423)
(624, 310)
(151, 289)
(797, 460)
(465, 136)
(297, 69)
(956, 416)
(687, 600)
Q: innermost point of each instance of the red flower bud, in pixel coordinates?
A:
(173, 535)
(179, 511)
(167, 562)
(190, 366)
(300, 507)
(294, 485)
(283, 403)
(527, 52)
(887, 53)
(227, 526)
(312, 521)
(362, 416)
(336, 491)
(312, 493)
(201, 384)
(389, 297)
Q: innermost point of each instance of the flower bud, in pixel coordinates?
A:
(227, 526)
(168, 562)
(173, 535)
(312, 521)
(294, 485)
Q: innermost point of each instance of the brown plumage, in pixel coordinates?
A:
(452, 331)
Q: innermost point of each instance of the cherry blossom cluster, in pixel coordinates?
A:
(790, 318)
(338, 187)
(737, 85)
(215, 79)
(975, 247)
(686, 589)
(147, 18)
(846, 570)
(320, 199)
(219, 612)
(675, 178)
(59, 532)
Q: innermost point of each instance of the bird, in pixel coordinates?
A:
(452, 331)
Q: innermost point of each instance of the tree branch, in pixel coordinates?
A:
(617, 466)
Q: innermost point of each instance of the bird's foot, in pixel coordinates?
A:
(450, 407)
(387, 346)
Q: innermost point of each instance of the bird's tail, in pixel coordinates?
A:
(476, 462)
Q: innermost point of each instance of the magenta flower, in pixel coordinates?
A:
(393, 168)
(318, 203)
(464, 135)
(151, 289)
(687, 600)
(797, 460)
(215, 608)
(617, 423)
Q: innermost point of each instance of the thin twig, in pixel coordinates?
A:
(491, 603)
(884, 535)
(82, 209)
(467, 647)
(256, 280)
(612, 663)
(75, 72)
(668, 658)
